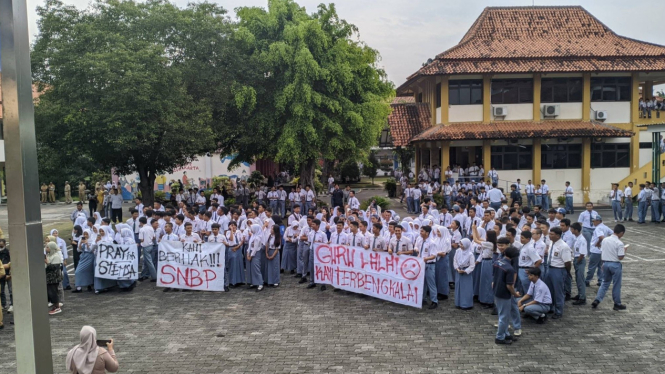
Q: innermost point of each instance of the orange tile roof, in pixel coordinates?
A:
(407, 121)
(520, 130)
(543, 39)
(404, 99)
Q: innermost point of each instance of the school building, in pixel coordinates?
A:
(538, 93)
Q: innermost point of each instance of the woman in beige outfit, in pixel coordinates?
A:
(88, 358)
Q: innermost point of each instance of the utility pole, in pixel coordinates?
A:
(33, 331)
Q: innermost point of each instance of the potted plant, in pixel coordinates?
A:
(391, 187)
(562, 200)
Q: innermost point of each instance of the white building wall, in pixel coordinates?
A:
(2, 151)
(465, 113)
(617, 112)
(438, 115)
(516, 112)
(566, 111)
(556, 180)
(601, 182)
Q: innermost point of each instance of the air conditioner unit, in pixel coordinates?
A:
(601, 115)
(550, 110)
(500, 111)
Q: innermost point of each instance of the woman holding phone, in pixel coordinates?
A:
(89, 357)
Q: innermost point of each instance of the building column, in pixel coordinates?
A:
(586, 97)
(634, 148)
(444, 101)
(635, 99)
(487, 98)
(536, 97)
(536, 160)
(487, 156)
(433, 154)
(445, 156)
(431, 95)
(586, 168)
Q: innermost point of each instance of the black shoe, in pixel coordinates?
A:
(323, 287)
(550, 312)
(433, 306)
(576, 297)
(557, 316)
(298, 276)
(580, 302)
(495, 312)
(541, 320)
(311, 285)
(631, 220)
(302, 280)
(293, 271)
(508, 337)
(226, 288)
(497, 341)
(587, 284)
(451, 285)
(153, 280)
(141, 279)
(598, 284)
(619, 307)
(595, 303)
(567, 297)
(336, 290)
(443, 297)
(68, 288)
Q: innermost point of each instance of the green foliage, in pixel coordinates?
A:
(135, 86)
(380, 201)
(350, 170)
(371, 166)
(391, 187)
(439, 200)
(561, 200)
(405, 155)
(160, 196)
(229, 201)
(256, 178)
(321, 91)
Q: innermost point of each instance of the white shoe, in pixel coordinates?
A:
(50, 305)
(517, 332)
(10, 309)
(276, 285)
(61, 304)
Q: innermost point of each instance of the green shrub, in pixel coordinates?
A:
(350, 170)
(439, 200)
(380, 201)
(229, 201)
(160, 196)
(391, 187)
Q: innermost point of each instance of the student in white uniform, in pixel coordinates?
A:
(628, 202)
(568, 193)
(579, 263)
(616, 197)
(540, 296)
(614, 252)
(428, 251)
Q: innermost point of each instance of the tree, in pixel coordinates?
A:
(371, 166)
(134, 86)
(405, 155)
(321, 92)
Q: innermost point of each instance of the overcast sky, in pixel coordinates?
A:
(408, 32)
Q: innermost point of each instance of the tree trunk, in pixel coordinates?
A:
(307, 173)
(147, 186)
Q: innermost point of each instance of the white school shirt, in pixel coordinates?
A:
(219, 238)
(194, 238)
(354, 203)
(530, 189)
(580, 247)
(293, 196)
(569, 191)
(616, 195)
(545, 189)
(628, 193)
(585, 219)
(272, 195)
(147, 235)
(338, 238)
(355, 240)
(377, 242)
(559, 253)
(282, 195)
(309, 196)
(612, 248)
(416, 193)
(426, 248)
(134, 225)
(539, 247)
(529, 255)
(169, 237)
(404, 244)
(178, 229)
(600, 230)
(540, 292)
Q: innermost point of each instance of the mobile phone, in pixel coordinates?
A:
(626, 246)
(102, 343)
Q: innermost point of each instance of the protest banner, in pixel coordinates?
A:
(398, 279)
(192, 266)
(116, 261)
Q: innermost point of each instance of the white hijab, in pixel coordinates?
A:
(82, 357)
(98, 218)
(127, 236)
(465, 255)
(256, 230)
(80, 220)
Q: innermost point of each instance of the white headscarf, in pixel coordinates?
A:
(107, 235)
(465, 255)
(445, 239)
(80, 220)
(91, 236)
(118, 232)
(127, 236)
(83, 356)
(256, 235)
(98, 218)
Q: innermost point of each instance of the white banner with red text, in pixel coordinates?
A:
(191, 266)
(398, 279)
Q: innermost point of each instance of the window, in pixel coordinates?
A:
(419, 98)
(512, 157)
(561, 90)
(645, 145)
(438, 95)
(465, 92)
(561, 156)
(610, 89)
(612, 155)
(512, 91)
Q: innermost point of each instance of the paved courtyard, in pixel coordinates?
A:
(291, 329)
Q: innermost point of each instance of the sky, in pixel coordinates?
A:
(408, 32)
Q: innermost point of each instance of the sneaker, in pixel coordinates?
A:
(276, 285)
(517, 332)
(50, 305)
(55, 311)
(576, 297)
(61, 304)
(497, 341)
(618, 307)
(10, 309)
(433, 306)
(541, 320)
(302, 280)
(595, 303)
(580, 302)
(323, 287)
(567, 297)
(259, 288)
(226, 288)
(310, 286)
(557, 316)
